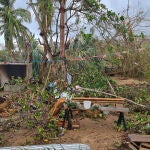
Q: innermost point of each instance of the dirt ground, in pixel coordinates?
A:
(99, 134)
(126, 81)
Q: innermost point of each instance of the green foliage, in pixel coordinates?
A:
(3, 56)
(61, 114)
(146, 128)
(131, 36)
(34, 113)
(72, 104)
(142, 35)
(36, 62)
(95, 107)
(122, 18)
(41, 133)
(45, 9)
(137, 93)
(91, 5)
(90, 18)
(88, 74)
(50, 130)
(86, 37)
(140, 123)
(11, 22)
(18, 80)
(1, 141)
(136, 64)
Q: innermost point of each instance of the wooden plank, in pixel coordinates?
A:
(139, 138)
(141, 148)
(81, 101)
(144, 146)
(114, 109)
(103, 102)
(132, 146)
(118, 102)
(97, 99)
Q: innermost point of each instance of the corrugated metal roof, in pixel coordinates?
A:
(50, 147)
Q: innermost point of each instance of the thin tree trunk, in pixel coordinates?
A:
(62, 28)
(27, 62)
(62, 38)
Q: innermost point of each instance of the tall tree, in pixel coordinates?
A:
(69, 17)
(11, 23)
(43, 10)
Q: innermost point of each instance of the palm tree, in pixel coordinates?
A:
(11, 23)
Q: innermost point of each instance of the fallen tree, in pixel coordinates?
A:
(109, 94)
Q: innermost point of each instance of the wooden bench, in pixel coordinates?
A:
(139, 142)
(109, 102)
(121, 111)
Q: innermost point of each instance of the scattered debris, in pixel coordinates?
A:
(5, 109)
(139, 142)
(2, 99)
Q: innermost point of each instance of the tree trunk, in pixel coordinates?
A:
(62, 38)
(62, 29)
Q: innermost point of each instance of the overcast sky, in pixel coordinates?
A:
(115, 5)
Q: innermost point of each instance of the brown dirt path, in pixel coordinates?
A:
(98, 134)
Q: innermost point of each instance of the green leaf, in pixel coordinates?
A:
(122, 18)
(110, 49)
(142, 35)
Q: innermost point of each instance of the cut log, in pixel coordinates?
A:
(57, 106)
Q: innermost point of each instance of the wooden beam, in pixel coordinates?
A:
(114, 109)
(96, 99)
(139, 138)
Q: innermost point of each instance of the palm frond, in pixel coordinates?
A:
(4, 2)
(22, 14)
(11, 3)
(11, 20)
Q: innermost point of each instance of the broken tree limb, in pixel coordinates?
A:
(128, 100)
(112, 89)
(47, 78)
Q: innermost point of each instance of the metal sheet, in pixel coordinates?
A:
(50, 147)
